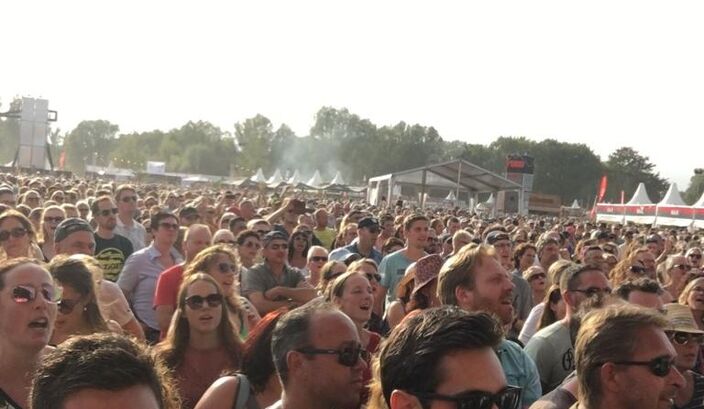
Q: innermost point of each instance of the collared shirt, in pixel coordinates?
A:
(260, 279)
(136, 234)
(339, 254)
(520, 370)
(138, 280)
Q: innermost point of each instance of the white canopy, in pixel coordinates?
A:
(451, 196)
(295, 178)
(316, 181)
(640, 196)
(672, 197)
(337, 180)
(276, 178)
(258, 177)
(575, 205)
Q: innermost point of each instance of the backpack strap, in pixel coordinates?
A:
(242, 391)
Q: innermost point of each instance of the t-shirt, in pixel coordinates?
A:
(520, 371)
(530, 326)
(111, 255)
(522, 299)
(167, 286)
(559, 398)
(260, 279)
(326, 236)
(392, 268)
(551, 350)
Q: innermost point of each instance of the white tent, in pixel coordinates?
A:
(575, 205)
(258, 177)
(672, 210)
(276, 178)
(640, 197)
(491, 200)
(295, 179)
(316, 181)
(337, 180)
(640, 209)
(451, 196)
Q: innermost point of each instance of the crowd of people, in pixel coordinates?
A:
(154, 296)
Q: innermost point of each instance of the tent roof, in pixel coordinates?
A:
(640, 196)
(258, 177)
(471, 177)
(316, 181)
(337, 180)
(276, 178)
(575, 205)
(295, 179)
(672, 197)
(451, 196)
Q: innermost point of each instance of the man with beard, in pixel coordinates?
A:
(551, 347)
(474, 280)
(111, 250)
(625, 360)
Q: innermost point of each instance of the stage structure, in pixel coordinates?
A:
(33, 149)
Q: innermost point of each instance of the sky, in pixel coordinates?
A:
(604, 73)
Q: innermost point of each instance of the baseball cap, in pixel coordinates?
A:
(368, 222)
(495, 236)
(69, 226)
(274, 235)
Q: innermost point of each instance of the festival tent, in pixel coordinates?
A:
(337, 180)
(295, 179)
(451, 196)
(698, 210)
(258, 177)
(316, 181)
(672, 210)
(640, 209)
(609, 212)
(275, 179)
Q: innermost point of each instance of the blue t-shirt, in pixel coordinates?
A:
(392, 268)
(520, 370)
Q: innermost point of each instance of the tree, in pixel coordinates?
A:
(626, 168)
(254, 137)
(90, 143)
(696, 187)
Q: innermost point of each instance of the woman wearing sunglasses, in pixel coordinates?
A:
(17, 237)
(352, 294)
(693, 297)
(687, 339)
(28, 299)
(298, 246)
(201, 342)
(51, 217)
(256, 385)
(330, 271)
(249, 245)
(78, 309)
(370, 269)
(220, 262)
(536, 277)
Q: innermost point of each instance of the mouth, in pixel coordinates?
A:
(365, 307)
(205, 318)
(39, 323)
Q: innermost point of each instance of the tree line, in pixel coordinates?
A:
(342, 141)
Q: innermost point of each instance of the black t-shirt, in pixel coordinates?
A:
(111, 254)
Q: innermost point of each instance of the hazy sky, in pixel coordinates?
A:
(605, 73)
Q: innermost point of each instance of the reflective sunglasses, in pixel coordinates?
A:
(108, 212)
(318, 259)
(659, 366)
(347, 356)
(226, 268)
(17, 232)
(683, 338)
(128, 199)
(170, 226)
(507, 398)
(196, 302)
(536, 276)
(66, 306)
(27, 293)
(592, 291)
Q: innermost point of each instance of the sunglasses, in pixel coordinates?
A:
(23, 294)
(659, 366)
(374, 230)
(375, 276)
(592, 291)
(347, 356)
(226, 268)
(57, 219)
(682, 338)
(66, 306)
(683, 267)
(507, 398)
(318, 259)
(637, 269)
(170, 226)
(17, 232)
(107, 212)
(697, 256)
(196, 302)
(128, 199)
(536, 276)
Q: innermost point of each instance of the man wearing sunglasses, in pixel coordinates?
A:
(111, 250)
(687, 339)
(474, 280)
(424, 362)
(367, 231)
(319, 359)
(625, 360)
(126, 198)
(551, 348)
(274, 284)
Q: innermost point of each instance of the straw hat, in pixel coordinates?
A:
(410, 275)
(681, 319)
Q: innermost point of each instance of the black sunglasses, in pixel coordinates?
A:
(374, 276)
(637, 269)
(318, 259)
(226, 268)
(507, 398)
(196, 302)
(659, 366)
(347, 356)
(682, 338)
(66, 306)
(108, 212)
(592, 291)
(697, 256)
(17, 232)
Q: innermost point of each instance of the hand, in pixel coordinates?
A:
(273, 293)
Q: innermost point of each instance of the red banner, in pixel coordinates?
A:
(602, 188)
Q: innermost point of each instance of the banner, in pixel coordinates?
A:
(602, 188)
(156, 167)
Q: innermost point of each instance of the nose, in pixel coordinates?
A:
(676, 378)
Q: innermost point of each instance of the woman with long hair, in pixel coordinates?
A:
(220, 262)
(352, 294)
(555, 308)
(28, 298)
(256, 385)
(536, 277)
(79, 313)
(677, 270)
(51, 217)
(298, 245)
(249, 244)
(693, 296)
(201, 342)
(17, 237)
